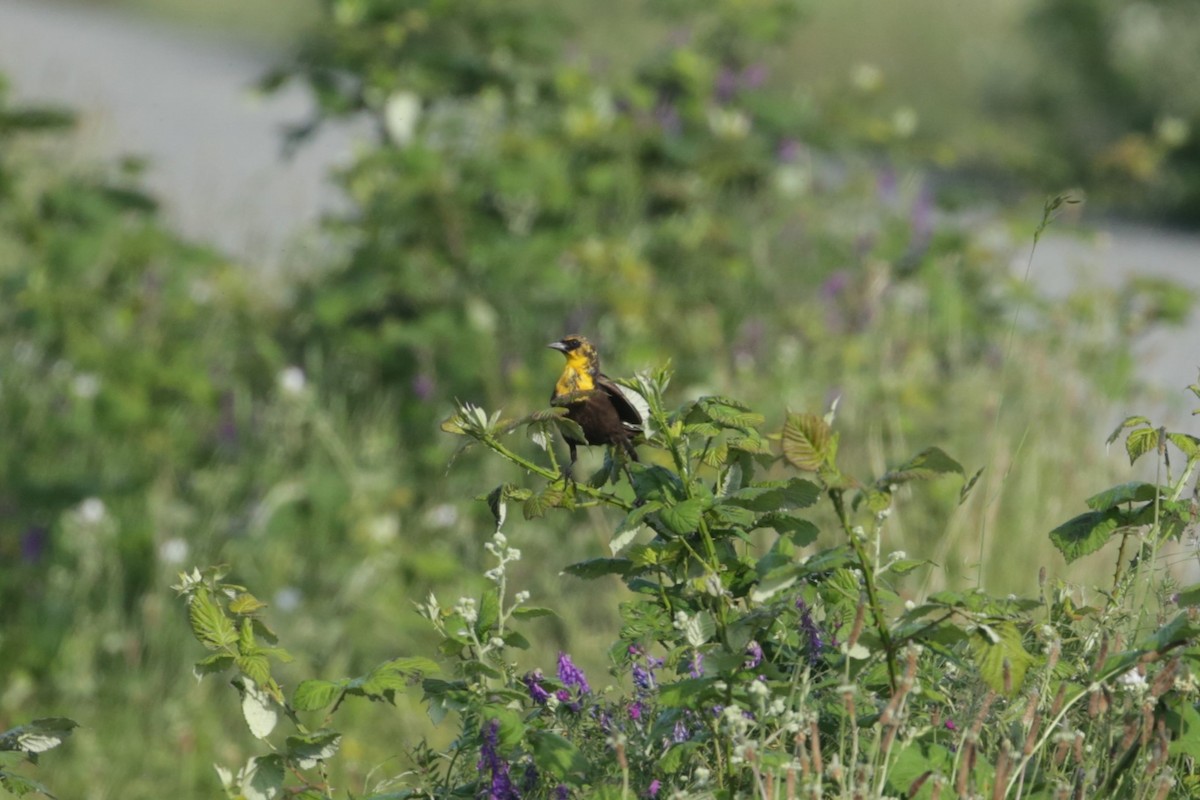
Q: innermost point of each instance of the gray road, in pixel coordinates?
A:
(184, 102)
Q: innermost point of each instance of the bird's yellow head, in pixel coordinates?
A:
(583, 365)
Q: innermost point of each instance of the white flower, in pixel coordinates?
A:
(292, 380)
(401, 113)
(85, 386)
(92, 511)
(173, 551)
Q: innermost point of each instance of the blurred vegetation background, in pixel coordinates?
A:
(790, 201)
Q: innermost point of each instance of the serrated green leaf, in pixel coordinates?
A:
(532, 612)
(699, 628)
(312, 695)
(265, 778)
(555, 755)
(1187, 444)
(1140, 442)
(1086, 533)
(730, 417)
(932, 462)
(1128, 422)
(38, 736)
(245, 603)
(307, 751)
(259, 710)
(683, 518)
(217, 662)
(255, 666)
(799, 531)
(537, 505)
(1132, 492)
(488, 614)
(994, 646)
(209, 623)
(685, 693)
(598, 567)
(19, 785)
(777, 580)
(777, 495)
(806, 441)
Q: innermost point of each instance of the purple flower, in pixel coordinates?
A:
(533, 683)
(754, 650)
(812, 632)
(34, 541)
(563, 696)
(501, 787)
(652, 789)
(696, 668)
(787, 151)
(635, 711)
(423, 386)
(572, 675)
(754, 75)
(726, 85)
(643, 678)
(835, 284)
(529, 780)
(680, 733)
(561, 792)
(950, 726)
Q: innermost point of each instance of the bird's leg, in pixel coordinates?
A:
(568, 470)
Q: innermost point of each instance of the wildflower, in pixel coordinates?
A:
(652, 789)
(696, 668)
(812, 632)
(501, 787)
(680, 733)
(291, 381)
(635, 711)
(950, 726)
(754, 649)
(561, 792)
(572, 675)
(533, 683)
(643, 678)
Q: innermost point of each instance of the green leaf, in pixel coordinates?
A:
(537, 504)
(259, 710)
(932, 462)
(683, 518)
(777, 495)
(699, 628)
(1188, 741)
(255, 666)
(1086, 533)
(385, 680)
(19, 785)
(806, 441)
(209, 623)
(992, 647)
(1188, 596)
(686, 693)
(800, 532)
(672, 760)
(265, 779)
(38, 736)
(312, 695)
(1187, 444)
(1140, 442)
(1132, 492)
(556, 755)
(1128, 422)
(245, 603)
(488, 614)
(599, 567)
(217, 662)
(532, 612)
(307, 751)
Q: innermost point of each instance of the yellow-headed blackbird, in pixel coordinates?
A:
(592, 400)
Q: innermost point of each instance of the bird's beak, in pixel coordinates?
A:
(559, 346)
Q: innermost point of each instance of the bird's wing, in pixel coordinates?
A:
(625, 409)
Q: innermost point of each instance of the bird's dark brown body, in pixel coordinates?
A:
(593, 401)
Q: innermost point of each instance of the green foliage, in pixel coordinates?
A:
(28, 742)
(748, 666)
(1112, 92)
